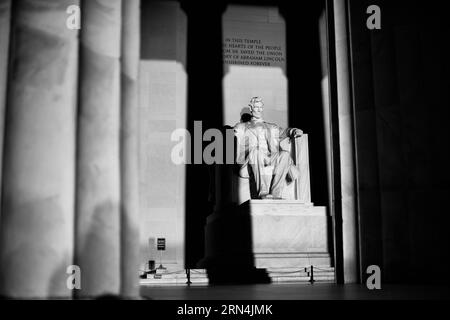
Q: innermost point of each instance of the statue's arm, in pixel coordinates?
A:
(239, 132)
(239, 128)
(283, 133)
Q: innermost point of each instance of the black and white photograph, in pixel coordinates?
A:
(224, 157)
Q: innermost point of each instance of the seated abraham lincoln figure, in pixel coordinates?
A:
(260, 157)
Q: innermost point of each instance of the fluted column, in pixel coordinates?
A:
(36, 244)
(346, 143)
(98, 168)
(129, 149)
(5, 21)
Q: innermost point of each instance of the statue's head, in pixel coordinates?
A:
(256, 107)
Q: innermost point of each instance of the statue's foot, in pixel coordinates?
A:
(270, 197)
(293, 173)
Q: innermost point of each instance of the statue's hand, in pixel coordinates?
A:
(297, 133)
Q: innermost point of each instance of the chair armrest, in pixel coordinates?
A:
(300, 154)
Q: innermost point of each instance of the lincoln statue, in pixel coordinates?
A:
(260, 156)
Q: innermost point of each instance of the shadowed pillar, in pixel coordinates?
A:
(5, 21)
(129, 149)
(200, 94)
(36, 244)
(345, 123)
(364, 76)
(98, 168)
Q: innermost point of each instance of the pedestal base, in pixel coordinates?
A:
(288, 234)
(242, 241)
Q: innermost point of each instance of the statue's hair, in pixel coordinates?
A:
(255, 100)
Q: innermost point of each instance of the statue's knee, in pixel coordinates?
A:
(284, 155)
(283, 159)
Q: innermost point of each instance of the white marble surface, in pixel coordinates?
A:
(301, 158)
(241, 82)
(130, 223)
(273, 233)
(98, 162)
(287, 226)
(283, 207)
(292, 260)
(162, 109)
(288, 233)
(5, 22)
(37, 244)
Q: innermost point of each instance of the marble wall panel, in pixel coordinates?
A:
(242, 82)
(162, 109)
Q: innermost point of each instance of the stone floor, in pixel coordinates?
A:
(294, 292)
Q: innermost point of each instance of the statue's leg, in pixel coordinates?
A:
(282, 163)
(256, 162)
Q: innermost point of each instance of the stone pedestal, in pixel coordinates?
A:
(288, 234)
(267, 234)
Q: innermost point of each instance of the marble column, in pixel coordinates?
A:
(5, 21)
(36, 244)
(129, 149)
(366, 141)
(98, 155)
(346, 143)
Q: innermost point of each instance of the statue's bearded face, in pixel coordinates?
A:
(257, 110)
